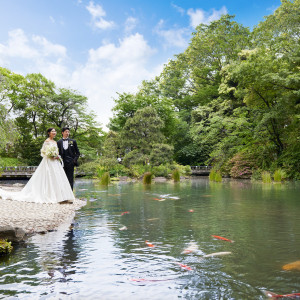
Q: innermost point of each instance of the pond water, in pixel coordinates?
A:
(104, 255)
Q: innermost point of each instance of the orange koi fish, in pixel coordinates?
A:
(273, 295)
(292, 266)
(186, 267)
(149, 244)
(222, 238)
(124, 213)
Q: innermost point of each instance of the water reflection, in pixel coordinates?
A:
(95, 259)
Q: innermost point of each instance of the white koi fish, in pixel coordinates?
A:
(190, 249)
(217, 254)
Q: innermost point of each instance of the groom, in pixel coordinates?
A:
(69, 153)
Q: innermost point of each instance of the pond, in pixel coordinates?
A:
(104, 255)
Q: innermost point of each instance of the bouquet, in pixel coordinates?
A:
(51, 151)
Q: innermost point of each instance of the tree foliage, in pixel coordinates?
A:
(231, 99)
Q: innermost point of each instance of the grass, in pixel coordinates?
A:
(147, 179)
(105, 179)
(266, 177)
(215, 176)
(176, 175)
(279, 175)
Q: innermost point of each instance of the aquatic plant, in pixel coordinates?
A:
(212, 175)
(215, 176)
(279, 175)
(176, 175)
(105, 179)
(147, 179)
(5, 247)
(266, 177)
(218, 176)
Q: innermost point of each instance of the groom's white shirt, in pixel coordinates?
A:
(65, 144)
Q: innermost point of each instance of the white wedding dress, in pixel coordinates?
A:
(48, 184)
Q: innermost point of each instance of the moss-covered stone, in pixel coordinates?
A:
(5, 247)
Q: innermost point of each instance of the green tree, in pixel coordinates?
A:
(143, 130)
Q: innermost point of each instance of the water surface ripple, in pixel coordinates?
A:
(104, 254)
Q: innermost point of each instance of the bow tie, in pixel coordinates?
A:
(64, 139)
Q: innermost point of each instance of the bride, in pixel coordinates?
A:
(49, 183)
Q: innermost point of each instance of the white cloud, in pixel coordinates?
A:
(34, 54)
(199, 16)
(179, 9)
(130, 24)
(108, 69)
(34, 48)
(113, 68)
(47, 48)
(98, 14)
(174, 37)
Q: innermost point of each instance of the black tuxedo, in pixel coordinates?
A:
(69, 157)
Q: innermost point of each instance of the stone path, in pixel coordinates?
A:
(35, 217)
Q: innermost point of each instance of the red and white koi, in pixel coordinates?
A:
(190, 249)
(186, 267)
(222, 238)
(124, 213)
(273, 295)
(149, 244)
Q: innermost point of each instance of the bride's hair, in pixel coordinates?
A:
(49, 130)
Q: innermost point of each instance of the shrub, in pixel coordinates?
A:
(256, 174)
(5, 247)
(162, 171)
(242, 165)
(266, 177)
(176, 175)
(105, 179)
(10, 162)
(135, 157)
(279, 175)
(147, 179)
(137, 171)
(188, 170)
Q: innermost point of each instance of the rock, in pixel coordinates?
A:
(12, 234)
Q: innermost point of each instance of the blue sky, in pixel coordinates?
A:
(100, 48)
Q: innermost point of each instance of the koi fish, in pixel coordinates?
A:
(149, 244)
(124, 213)
(190, 249)
(292, 266)
(191, 210)
(153, 219)
(222, 238)
(157, 199)
(273, 295)
(185, 267)
(217, 254)
(123, 228)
